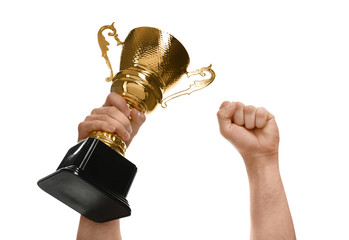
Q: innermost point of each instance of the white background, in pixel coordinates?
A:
(289, 56)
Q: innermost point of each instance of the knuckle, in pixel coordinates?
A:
(103, 117)
(89, 118)
(261, 112)
(110, 110)
(94, 111)
(110, 99)
(224, 104)
(111, 96)
(249, 109)
(220, 114)
(239, 104)
(81, 126)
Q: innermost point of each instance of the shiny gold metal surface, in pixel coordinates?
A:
(197, 85)
(152, 61)
(103, 45)
(110, 139)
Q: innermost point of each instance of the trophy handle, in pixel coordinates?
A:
(110, 139)
(197, 85)
(103, 44)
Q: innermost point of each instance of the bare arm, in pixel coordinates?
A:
(90, 230)
(113, 116)
(254, 133)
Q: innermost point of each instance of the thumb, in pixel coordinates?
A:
(138, 119)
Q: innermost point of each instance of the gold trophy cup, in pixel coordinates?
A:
(94, 177)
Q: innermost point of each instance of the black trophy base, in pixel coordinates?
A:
(94, 180)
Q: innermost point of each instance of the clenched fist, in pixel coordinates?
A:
(253, 131)
(114, 117)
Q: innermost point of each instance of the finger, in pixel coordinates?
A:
(224, 104)
(86, 127)
(107, 124)
(261, 117)
(250, 117)
(225, 116)
(138, 118)
(114, 113)
(270, 116)
(239, 114)
(117, 101)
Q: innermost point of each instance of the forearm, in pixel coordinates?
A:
(90, 230)
(270, 214)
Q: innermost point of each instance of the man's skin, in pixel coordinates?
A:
(254, 133)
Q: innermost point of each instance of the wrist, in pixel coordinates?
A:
(89, 229)
(262, 167)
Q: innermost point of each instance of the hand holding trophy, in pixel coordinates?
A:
(94, 177)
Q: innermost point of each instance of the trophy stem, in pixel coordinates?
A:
(110, 139)
(134, 103)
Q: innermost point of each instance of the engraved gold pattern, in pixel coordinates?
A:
(110, 139)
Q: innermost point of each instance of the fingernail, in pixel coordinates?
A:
(141, 115)
(126, 136)
(130, 130)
